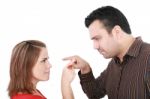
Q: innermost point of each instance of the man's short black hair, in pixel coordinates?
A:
(110, 17)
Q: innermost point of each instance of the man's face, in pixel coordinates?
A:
(103, 41)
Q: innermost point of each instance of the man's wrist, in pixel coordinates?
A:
(85, 70)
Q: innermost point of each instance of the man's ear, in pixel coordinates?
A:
(117, 32)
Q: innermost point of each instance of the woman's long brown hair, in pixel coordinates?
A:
(24, 56)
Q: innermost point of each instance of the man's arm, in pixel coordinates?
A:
(147, 77)
(93, 88)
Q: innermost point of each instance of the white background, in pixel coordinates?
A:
(60, 24)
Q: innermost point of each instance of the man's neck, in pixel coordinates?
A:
(126, 44)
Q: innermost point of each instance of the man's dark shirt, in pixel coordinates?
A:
(129, 79)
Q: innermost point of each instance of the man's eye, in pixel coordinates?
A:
(96, 39)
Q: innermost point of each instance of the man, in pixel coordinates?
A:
(128, 73)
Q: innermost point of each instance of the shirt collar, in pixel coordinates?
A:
(133, 50)
(135, 47)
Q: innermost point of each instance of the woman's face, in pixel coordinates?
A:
(41, 70)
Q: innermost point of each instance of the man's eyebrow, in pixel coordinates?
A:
(95, 37)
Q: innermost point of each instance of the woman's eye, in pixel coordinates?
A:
(44, 61)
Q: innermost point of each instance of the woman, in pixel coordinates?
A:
(29, 65)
